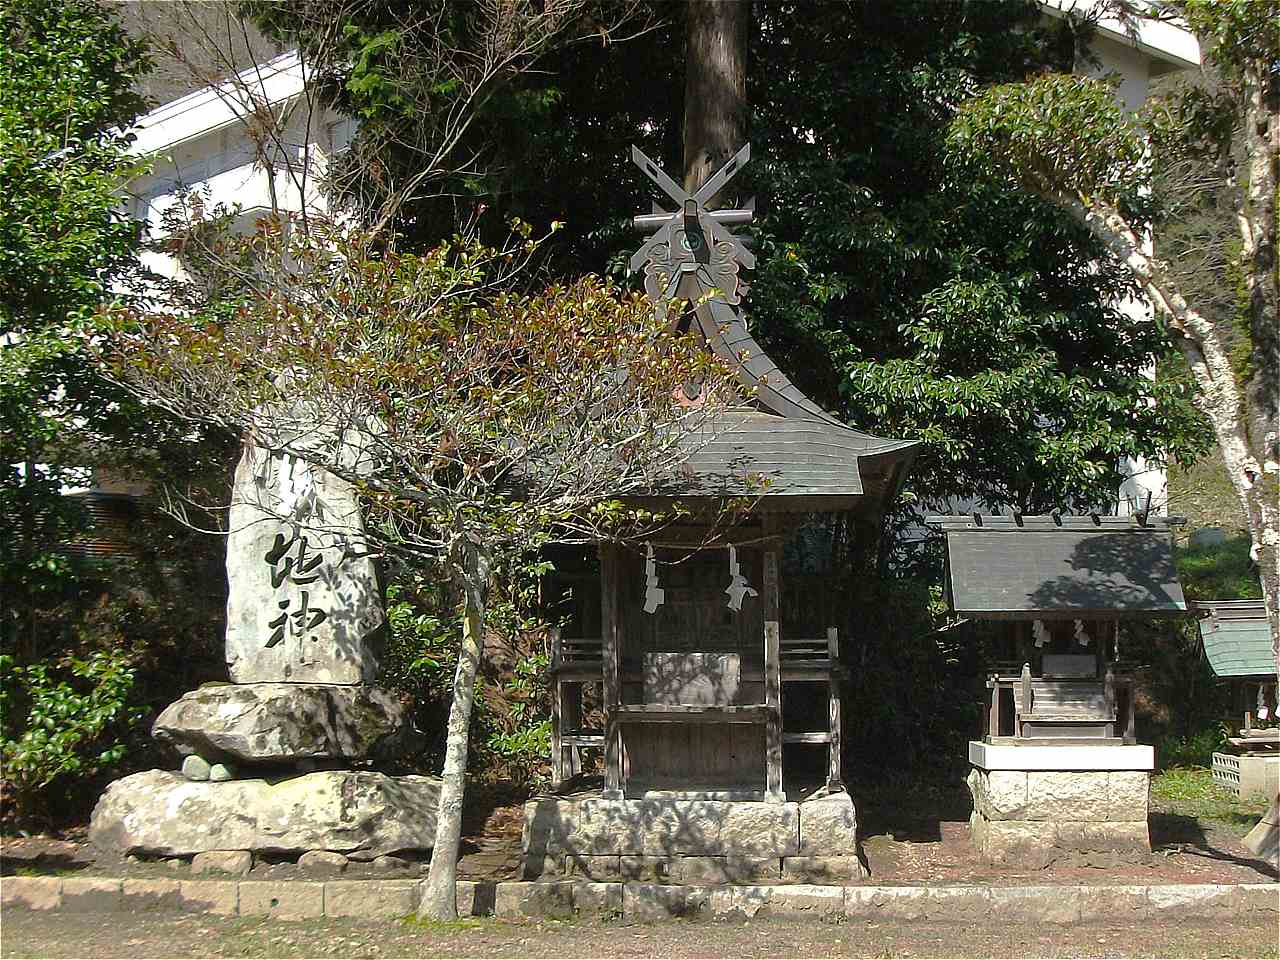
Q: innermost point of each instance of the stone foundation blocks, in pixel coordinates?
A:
(474, 898)
(547, 899)
(358, 813)
(210, 896)
(91, 894)
(33, 893)
(822, 869)
(711, 871)
(371, 898)
(800, 900)
(1030, 816)
(594, 868)
(653, 901)
(599, 899)
(323, 862)
(289, 900)
(152, 895)
(1036, 904)
(653, 869)
(1203, 900)
(1105, 904)
(828, 827)
(694, 842)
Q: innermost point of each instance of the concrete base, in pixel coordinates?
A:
(691, 841)
(1032, 816)
(1249, 777)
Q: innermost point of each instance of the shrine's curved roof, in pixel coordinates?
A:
(786, 446)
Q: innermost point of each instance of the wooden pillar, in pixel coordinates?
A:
(993, 711)
(1027, 705)
(610, 654)
(772, 667)
(557, 712)
(1109, 698)
(834, 780)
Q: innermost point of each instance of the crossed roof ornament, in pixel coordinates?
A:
(692, 252)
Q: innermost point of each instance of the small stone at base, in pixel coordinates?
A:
(323, 861)
(195, 768)
(222, 861)
(221, 773)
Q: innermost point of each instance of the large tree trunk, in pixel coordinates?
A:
(715, 87)
(1243, 422)
(439, 899)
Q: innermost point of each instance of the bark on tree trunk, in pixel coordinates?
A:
(715, 88)
(1219, 395)
(439, 898)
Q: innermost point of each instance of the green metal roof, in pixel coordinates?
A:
(1236, 637)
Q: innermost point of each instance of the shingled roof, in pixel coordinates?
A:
(1048, 568)
(785, 440)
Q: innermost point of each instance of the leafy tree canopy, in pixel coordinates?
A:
(905, 296)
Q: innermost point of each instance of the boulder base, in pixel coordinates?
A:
(268, 723)
(360, 814)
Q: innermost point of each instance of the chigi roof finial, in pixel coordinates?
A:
(692, 250)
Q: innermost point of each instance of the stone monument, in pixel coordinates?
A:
(274, 761)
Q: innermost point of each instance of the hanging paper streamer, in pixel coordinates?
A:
(1081, 634)
(1117, 650)
(1040, 633)
(654, 596)
(738, 586)
(1263, 712)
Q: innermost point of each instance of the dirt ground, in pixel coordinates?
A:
(35, 934)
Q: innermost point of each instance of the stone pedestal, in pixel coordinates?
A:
(1033, 803)
(268, 724)
(692, 841)
(305, 622)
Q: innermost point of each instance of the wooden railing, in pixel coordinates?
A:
(1053, 709)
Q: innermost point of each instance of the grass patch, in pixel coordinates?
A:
(415, 922)
(1191, 792)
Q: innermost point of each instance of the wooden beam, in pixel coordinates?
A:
(557, 697)
(610, 655)
(834, 780)
(771, 596)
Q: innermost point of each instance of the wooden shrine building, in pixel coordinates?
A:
(700, 688)
(1058, 733)
(1237, 643)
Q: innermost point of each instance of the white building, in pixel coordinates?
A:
(1137, 53)
(257, 143)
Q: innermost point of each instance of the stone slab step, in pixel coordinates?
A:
(390, 899)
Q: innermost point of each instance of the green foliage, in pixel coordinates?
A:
(1191, 750)
(1221, 572)
(510, 731)
(62, 719)
(1056, 134)
(1191, 792)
